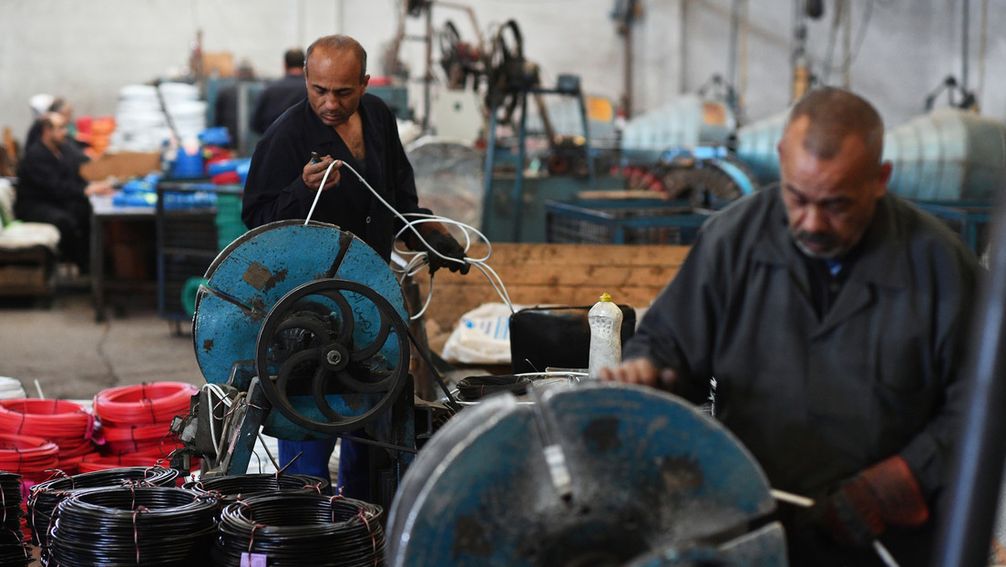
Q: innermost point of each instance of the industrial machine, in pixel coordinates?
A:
(584, 475)
(310, 345)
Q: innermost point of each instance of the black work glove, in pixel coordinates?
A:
(446, 245)
(862, 507)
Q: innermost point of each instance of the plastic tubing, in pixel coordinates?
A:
(56, 420)
(143, 404)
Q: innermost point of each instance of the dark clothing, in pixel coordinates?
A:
(274, 190)
(225, 110)
(818, 398)
(51, 190)
(275, 99)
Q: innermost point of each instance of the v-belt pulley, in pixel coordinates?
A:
(307, 320)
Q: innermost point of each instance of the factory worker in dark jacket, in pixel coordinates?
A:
(341, 123)
(831, 317)
(51, 190)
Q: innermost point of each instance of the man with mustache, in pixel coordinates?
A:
(832, 317)
(340, 123)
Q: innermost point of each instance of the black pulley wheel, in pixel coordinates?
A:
(328, 354)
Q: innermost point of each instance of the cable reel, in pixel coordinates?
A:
(322, 328)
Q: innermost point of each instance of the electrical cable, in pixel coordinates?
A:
(228, 489)
(157, 402)
(62, 422)
(301, 528)
(133, 526)
(95, 462)
(414, 264)
(474, 388)
(45, 496)
(27, 456)
(13, 549)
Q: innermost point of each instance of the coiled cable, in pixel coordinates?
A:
(65, 423)
(299, 528)
(13, 550)
(228, 489)
(45, 496)
(143, 404)
(133, 526)
(26, 455)
(473, 388)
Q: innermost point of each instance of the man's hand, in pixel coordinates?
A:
(862, 507)
(444, 244)
(314, 172)
(641, 371)
(98, 188)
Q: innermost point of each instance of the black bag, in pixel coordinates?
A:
(557, 337)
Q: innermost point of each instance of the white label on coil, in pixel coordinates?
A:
(253, 560)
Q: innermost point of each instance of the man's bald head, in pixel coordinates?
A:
(834, 114)
(338, 43)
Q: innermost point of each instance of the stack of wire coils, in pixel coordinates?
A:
(13, 550)
(133, 526)
(66, 424)
(292, 529)
(135, 420)
(229, 489)
(31, 457)
(46, 496)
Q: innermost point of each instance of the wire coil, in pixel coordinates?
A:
(299, 528)
(65, 423)
(13, 551)
(143, 404)
(228, 489)
(27, 456)
(45, 496)
(133, 526)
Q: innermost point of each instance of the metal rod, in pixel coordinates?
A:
(965, 39)
(966, 529)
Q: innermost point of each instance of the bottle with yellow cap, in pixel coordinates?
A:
(605, 319)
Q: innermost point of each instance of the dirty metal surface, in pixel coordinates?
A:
(590, 475)
(251, 275)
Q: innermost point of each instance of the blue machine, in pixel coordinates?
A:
(589, 475)
(304, 326)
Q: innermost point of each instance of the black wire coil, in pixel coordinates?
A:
(228, 489)
(13, 550)
(45, 496)
(133, 526)
(293, 529)
(474, 388)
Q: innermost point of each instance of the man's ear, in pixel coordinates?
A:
(884, 176)
(365, 81)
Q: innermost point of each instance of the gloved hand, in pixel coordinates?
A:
(862, 507)
(446, 245)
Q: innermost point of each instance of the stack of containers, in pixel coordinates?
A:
(141, 123)
(67, 425)
(135, 422)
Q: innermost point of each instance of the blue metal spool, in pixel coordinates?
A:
(597, 474)
(256, 271)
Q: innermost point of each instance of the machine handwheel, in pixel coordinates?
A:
(325, 351)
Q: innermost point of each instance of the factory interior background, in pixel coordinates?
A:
(589, 167)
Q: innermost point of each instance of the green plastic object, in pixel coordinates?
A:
(189, 291)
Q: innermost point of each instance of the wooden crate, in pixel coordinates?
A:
(566, 274)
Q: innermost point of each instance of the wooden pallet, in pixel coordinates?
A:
(566, 274)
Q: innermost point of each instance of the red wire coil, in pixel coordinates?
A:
(132, 439)
(143, 404)
(27, 455)
(56, 420)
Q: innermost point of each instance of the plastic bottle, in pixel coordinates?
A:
(605, 319)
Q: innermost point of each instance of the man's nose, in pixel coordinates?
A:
(814, 220)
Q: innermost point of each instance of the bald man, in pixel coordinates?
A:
(830, 317)
(340, 123)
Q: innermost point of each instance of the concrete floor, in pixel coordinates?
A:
(74, 357)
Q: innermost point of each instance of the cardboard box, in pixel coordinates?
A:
(219, 63)
(122, 165)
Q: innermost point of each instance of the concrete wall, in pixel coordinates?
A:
(88, 50)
